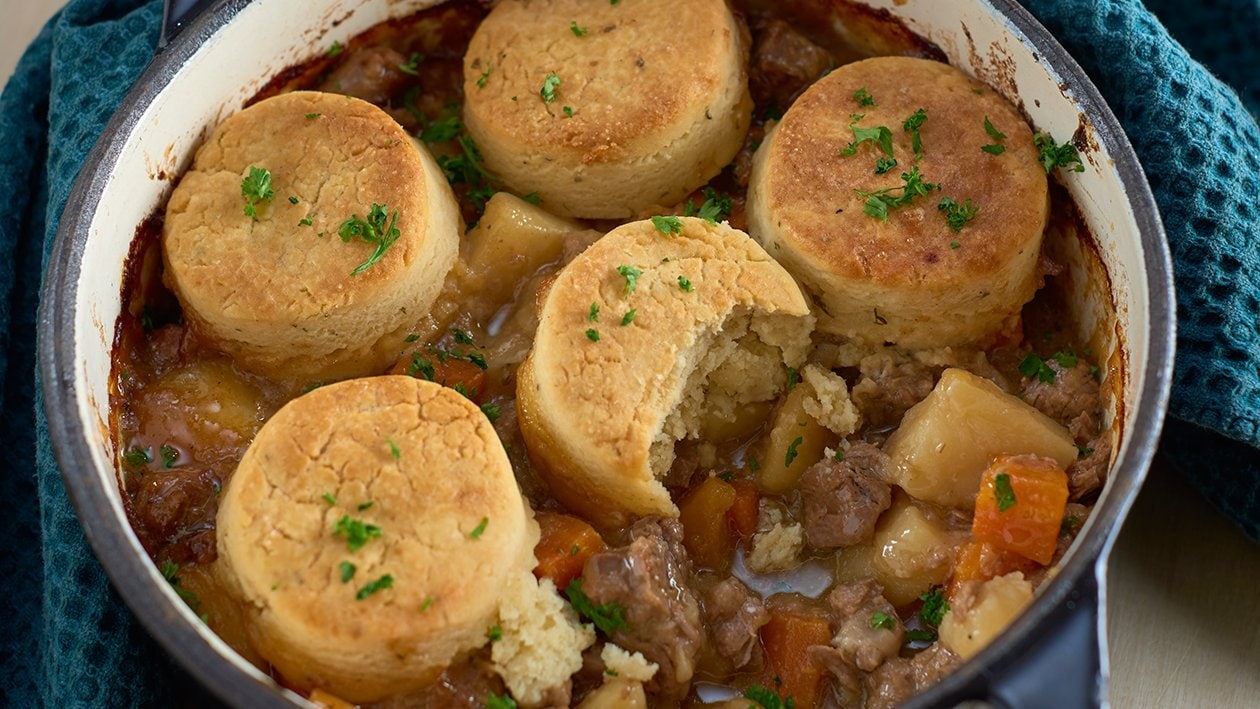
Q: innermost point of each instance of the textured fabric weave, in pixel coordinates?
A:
(68, 639)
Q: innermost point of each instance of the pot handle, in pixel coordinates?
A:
(1066, 666)
(176, 15)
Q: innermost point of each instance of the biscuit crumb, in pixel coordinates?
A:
(630, 666)
(542, 640)
(829, 403)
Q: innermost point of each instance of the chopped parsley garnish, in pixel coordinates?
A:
(256, 188)
(768, 698)
(1066, 358)
(495, 633)
(312, 116)
(421, 367)
(550, 84)
(1003, 492)
(533, 198)
(592, 334)
(328, 497)
(384, 582)
(839, 456)
(372, 230)
(631, 275)
(568, 111)
(442, 130)
(478, 360)
(137, 457)
(753, 465)
(934, 607)
(393, 450)
(667, 225)
(879, 202)
(347, 571)
(791, 451)
(169, 455)
(491, 410)
(365, 505)
(882, 621)
(863, 98)
(715, 208)
(726, 475)
(883, 165)
(1069, 523)
(880, 135)
(577, 31)
(1034, 366)
(957, 215)
(1053, 155)
(293, 200)
(426, 604)
(793, 378)
(480, 529)
(335, 49)
(628, 317)
(356, 532)
(485, 76)
(467, 168)
(463, 337)
(978, 92)
(593, 315)
(494, 701)
(996, 148)
(685, 284)
(170, 571)
(920, 635)
(1083, 451)
(954, 244)
(409, 67)
(608, 617)
(307, 221)
(912, 126)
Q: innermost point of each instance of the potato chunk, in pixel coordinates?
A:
(513, 239)
(912, 552)
(972, 623)
(947, 440)
(795, 442)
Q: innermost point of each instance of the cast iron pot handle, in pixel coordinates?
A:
(176, 14)
(1063, 668)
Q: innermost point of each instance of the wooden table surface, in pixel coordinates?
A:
(1183, 595)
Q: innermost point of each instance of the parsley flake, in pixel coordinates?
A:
(791, 451)
(421, 368)
(715, 208)
(863, 98)
(879, 202)
(312, 116)
(957, 215)
(1053, 156)
(882, 621)
(533, 198)
(768, 698)
(628, 317)
(608, 617)
(491, 410)
(549, 87)
(347, 571)
(919, 635)
(880, 135)
(335, 49)
(256, 188)
(631, 275)
(1034, 366)
(495, 633)
(592, 334)
(393, 450)
(485, 76)
(356, 532)
(1003, 491)
(934, 607)
(912, 126)
(328, 497)
(667, 225)
(384, 582)
(568, 111)
(593, 315)
(480, 529)
(426, 604)
(373, 231)
(685, 284)
(169, 455)
(495, 701)
(137, 457)
(409, 67)
(793, 378)
(577, 31)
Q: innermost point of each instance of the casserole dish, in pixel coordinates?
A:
(220, 60)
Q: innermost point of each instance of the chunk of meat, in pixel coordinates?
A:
(734, 615)
(1089, 472)
(889, 387)
(464, 684)
(173, 512)
(1072, 393)
(649, 577)
(890, 684)
(847, 685)
(784, 63)
(861, 640)
(371, 74)
(932, 664)
(844, 498)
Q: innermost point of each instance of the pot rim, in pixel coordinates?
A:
(167, 622)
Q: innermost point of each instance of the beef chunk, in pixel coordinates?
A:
(1087, 473)
(784, 63)
(890, 684)
(889, 387)
(734, 615)
(649, 577)
(1073, 393)
(843, 499)
(860, 643)
(933, 664)
(847, 683)
(173, 513)
(371, 74)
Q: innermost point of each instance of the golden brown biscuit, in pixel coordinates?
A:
(277, 292)
(910, 280)
(640, 339)
(423, 466)
(606, 108)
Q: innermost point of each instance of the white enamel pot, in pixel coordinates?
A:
(1054, 655)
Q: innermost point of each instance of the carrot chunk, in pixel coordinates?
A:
(564, 546)
(789, 669)
(706, 533)
(981, 561)
(1021, 505)
(743, 512)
